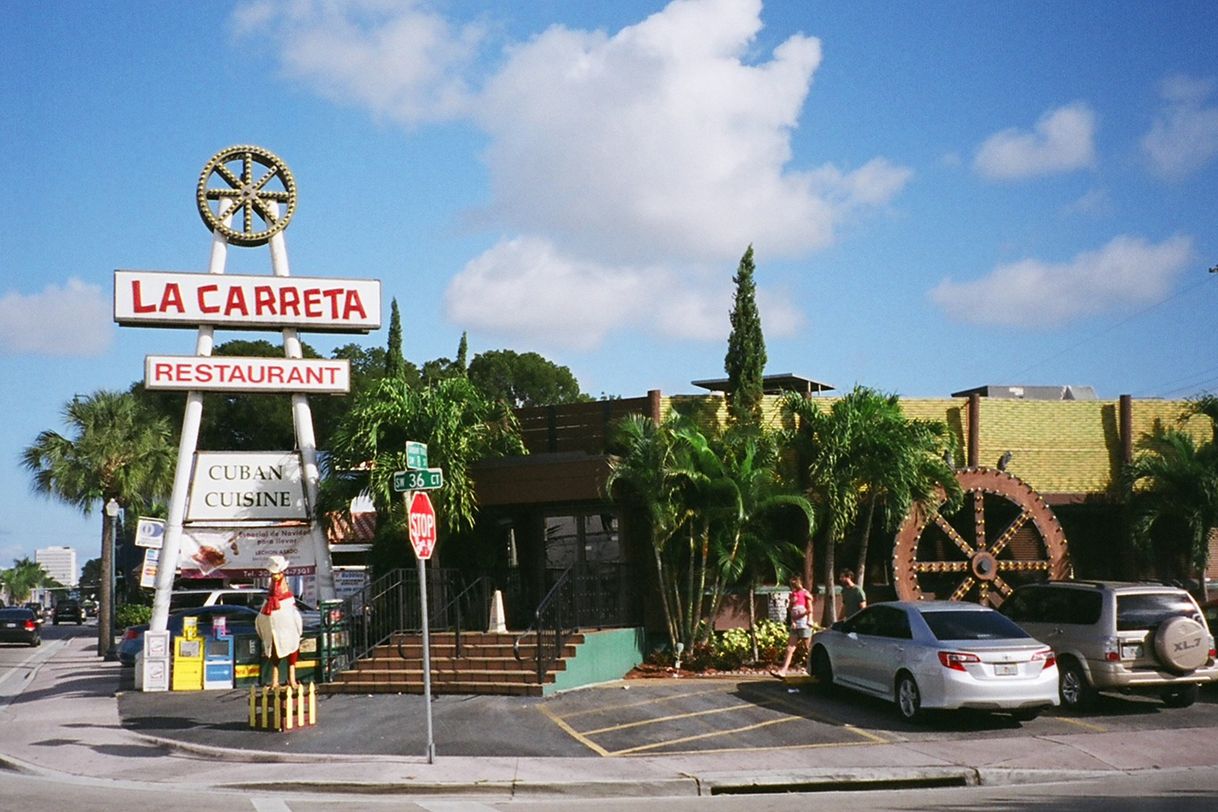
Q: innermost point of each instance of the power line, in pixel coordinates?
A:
(1115, 325)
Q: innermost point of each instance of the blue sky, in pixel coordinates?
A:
(940, 195)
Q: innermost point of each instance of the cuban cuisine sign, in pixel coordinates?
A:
(168, 299)
(247, 486)
(231, 374)
(242, 552)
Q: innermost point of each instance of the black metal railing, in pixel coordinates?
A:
(553, 621)
(460, 613)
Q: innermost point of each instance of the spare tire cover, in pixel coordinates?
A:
(1182, 645)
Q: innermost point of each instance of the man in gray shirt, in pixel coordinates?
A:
(853, 596)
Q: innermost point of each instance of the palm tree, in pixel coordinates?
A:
(649, 467)
(1173, 481)
(23, 578)
(751, 548)
(459, 425)
(117, 450)
(903, 465)
(863, 452)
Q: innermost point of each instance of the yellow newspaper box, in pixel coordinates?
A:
(187, 672)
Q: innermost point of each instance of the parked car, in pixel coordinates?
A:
(68, 610)
(37, 610)
(238, 619)
(938, 654)
(90, 607)
(253, 597)
(18, 625)
(1112, 636)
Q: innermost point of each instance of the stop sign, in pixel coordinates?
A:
(422, 524)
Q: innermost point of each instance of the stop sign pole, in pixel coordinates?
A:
(421, 521)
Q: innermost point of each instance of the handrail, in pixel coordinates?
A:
(551, 606)
(438, 617)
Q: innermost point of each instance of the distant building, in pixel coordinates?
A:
(60, 564)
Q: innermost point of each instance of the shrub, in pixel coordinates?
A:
(733, 648)
(132, 614)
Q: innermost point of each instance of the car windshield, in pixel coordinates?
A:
(15, 614)
(1139, 612)
(961, 625)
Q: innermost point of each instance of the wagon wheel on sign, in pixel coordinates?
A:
(253, 181)
(1004, 536)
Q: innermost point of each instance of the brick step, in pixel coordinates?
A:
(407, 674)
(452, 664)
(477, 638)
(468, 651)
(480, 688)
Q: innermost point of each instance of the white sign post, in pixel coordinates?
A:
(249, 186)
(421, 520)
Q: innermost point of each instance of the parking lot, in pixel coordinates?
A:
(667, 717)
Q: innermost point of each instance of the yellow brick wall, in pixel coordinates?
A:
(1056, 446)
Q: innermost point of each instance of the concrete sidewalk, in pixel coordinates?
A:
(66, 721)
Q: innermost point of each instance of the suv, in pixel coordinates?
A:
(68, 609)
(1109, 636)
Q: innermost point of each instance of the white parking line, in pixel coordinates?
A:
(264, 804)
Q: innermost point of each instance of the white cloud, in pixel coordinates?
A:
(75, 320)
(526, 287)
(1128, 271)
(1184, 136)
(665, 145)
(396, 59)
(1094, 203)
(661, 141)
(1062, 141)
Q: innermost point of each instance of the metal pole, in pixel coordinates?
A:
(431, 745)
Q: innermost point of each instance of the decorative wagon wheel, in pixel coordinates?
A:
(1004, 535)
(254, 180)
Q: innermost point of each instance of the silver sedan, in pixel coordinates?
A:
(938, 654)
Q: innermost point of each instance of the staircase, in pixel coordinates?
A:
(487, 665)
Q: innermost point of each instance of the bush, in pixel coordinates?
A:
(733, 648)
(132, 614)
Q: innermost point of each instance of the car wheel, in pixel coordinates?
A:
(1076, 692)
(56, 622)
(1026, 714)
(37, 641)
(822, 669)
(1182, 696)
(909, 698)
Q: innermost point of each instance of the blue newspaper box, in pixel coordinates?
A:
(218, 662)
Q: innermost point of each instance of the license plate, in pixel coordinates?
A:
(1005, 670)
(10, 625)
(1131, 652)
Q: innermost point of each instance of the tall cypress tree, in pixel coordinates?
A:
(745, 361)
(395, 362)
(463, 354)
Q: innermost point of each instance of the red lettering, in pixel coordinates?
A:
(264, 300)
(236, 302)
(162, 371)
(203, 305)
(289, 299)
(332, 294)
(312, 298)
(137, 304)
(353, 305)
(313, 376)
(276, 375)
(172, 297)
(183, 373)
(294, 375)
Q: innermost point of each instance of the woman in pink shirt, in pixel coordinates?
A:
(799, 618)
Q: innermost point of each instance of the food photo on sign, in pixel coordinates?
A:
(242, 552)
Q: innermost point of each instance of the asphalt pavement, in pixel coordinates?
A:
(76, 715)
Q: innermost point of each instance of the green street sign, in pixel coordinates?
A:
(416, 455)
(427, 479)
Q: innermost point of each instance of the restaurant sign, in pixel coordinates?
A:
(169, 299)
(247, 486)
(242, 552)
(319, 376)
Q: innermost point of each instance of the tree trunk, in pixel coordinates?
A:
(830, 612)
(753, 618)
(860, 571)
